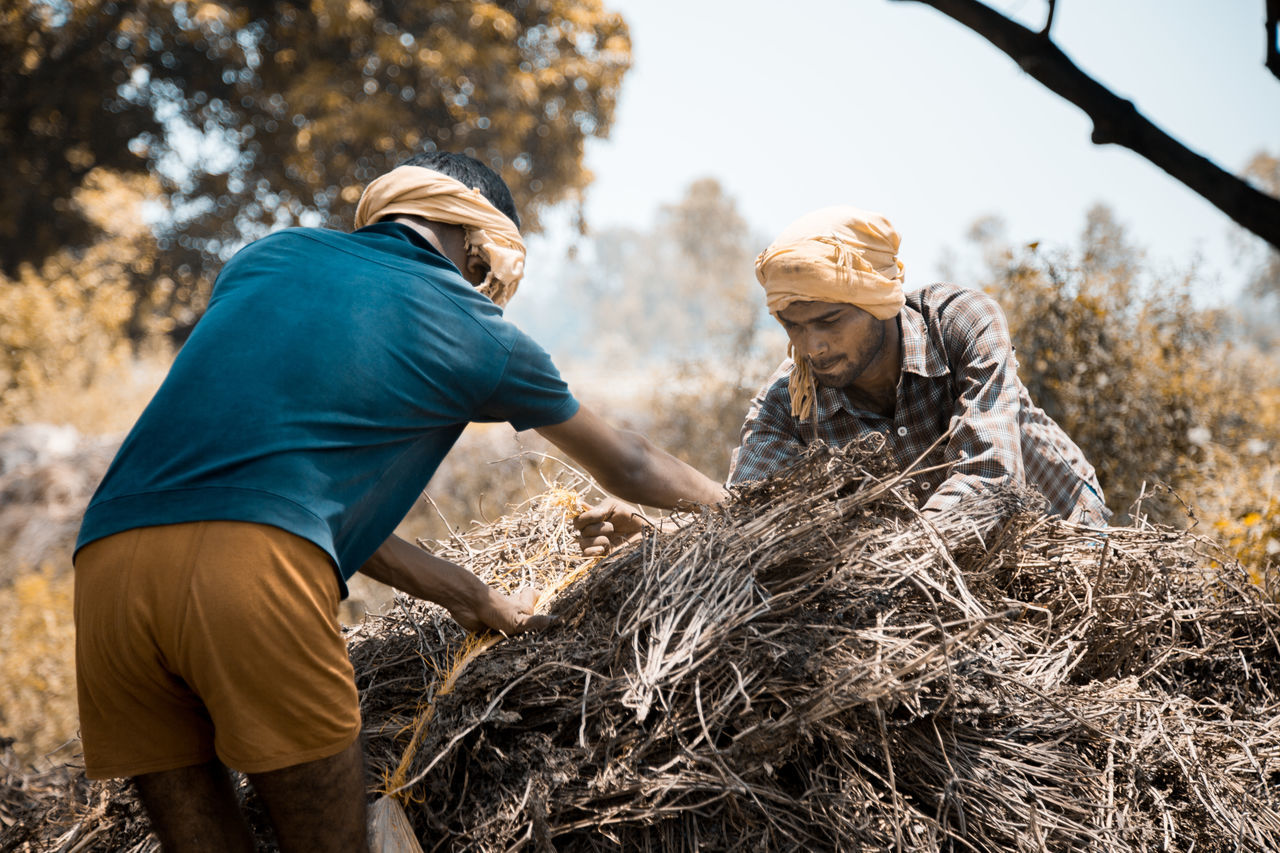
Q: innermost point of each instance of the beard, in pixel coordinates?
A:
(847, 369)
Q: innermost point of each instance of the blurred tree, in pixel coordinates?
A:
(675, 321)
(690, 294)
(64, 319)
(1139, 377)
(1257, 308)
(1264, 169)
(257, 115)
(1116, 120)
(683, 289)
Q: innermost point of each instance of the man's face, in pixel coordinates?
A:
(839, 341)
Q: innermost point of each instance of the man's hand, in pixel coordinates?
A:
(607, 525)
(507, 614)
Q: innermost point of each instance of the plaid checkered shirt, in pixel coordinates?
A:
(962, 416)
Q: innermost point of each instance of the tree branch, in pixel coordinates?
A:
(1116, 120)
(1273, 37)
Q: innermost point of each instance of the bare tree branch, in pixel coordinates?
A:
(1116, 120)
(1048, 21)
(1273, 37)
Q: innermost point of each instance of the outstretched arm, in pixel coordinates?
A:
(471, 602)
(628, 465)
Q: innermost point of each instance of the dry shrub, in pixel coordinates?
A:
(491, 469)
(696, 409)
(65, 325)
(37, 665)
(1164, 400)
(1134, 373)
(1238, 494)
(812, 669)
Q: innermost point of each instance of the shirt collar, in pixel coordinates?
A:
(920, 354)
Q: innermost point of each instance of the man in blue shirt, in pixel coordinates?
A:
(312, 403)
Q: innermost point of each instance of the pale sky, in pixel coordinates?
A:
(891, 106)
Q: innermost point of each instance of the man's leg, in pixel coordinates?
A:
(194, 810)
(320, 805)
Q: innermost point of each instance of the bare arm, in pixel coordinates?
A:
(471, 602)
(630, 466)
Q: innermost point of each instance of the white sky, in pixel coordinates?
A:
(891, 106)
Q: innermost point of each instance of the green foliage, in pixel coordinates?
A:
(258, 115)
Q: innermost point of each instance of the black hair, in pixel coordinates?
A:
(473, 173)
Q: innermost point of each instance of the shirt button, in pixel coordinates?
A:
(926, 486)
(902, 431)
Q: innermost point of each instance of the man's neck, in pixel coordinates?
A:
(424, 227)
(877, 388)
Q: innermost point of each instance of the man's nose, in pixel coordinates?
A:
(815, 343)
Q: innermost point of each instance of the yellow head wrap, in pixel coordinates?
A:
(491, 235)
(836, 254)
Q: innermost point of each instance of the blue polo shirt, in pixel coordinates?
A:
(320, 391)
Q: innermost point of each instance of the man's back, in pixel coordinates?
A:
(330, 375)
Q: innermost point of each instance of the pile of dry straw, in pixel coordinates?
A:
(816, 667)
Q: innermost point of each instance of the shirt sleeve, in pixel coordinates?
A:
(530, 393)
(771, 437)
(985, 444)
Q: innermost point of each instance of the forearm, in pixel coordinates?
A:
(471, 602)
(654, 477)
(628, 465)
(421, 574)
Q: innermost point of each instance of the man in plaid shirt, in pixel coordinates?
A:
(932, 374)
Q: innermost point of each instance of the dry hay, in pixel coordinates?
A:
(816, 667)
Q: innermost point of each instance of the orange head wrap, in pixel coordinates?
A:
(836, 254)
(491, 235)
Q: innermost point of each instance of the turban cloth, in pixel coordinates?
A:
(836, 254)
(491, 235)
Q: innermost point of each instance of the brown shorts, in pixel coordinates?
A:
(209, 638)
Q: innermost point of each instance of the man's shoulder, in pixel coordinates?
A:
(294, 235)
(773, 399)
(954, 309)
(777, 384)
(943, 297)
(291, 246)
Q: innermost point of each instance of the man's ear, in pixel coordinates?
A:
(476, 270)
